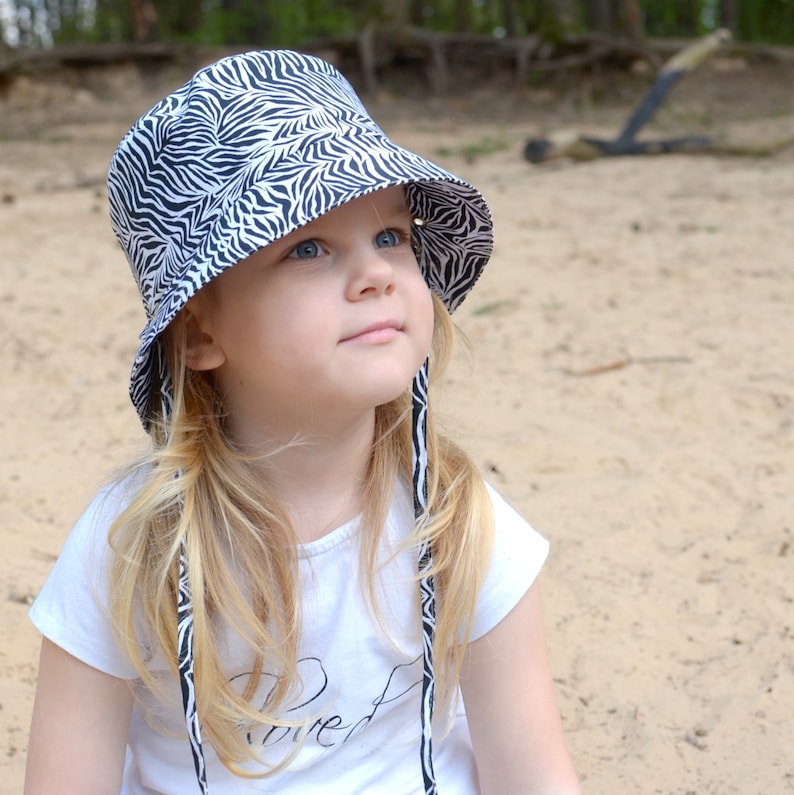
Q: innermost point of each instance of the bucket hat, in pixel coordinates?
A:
(250, 149)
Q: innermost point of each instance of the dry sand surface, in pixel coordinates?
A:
(630, 389)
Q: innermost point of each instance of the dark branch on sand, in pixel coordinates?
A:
(583, 147)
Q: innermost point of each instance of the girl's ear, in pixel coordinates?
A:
(202, 352)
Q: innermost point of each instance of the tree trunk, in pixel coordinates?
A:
(689, 17)
(729, 15)
(565, 12)
(416, 13)
(462, 16)
(398, 12)
(184, 17)
(599, 15)
(144, 17)
(632, 21)
(510, 14)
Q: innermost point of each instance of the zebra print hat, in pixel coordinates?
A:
(252, 148)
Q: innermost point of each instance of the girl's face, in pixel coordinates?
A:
(319, 327)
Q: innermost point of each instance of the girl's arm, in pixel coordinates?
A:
(512, 709)
(78, 735)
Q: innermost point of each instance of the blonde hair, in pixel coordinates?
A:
(198, 491)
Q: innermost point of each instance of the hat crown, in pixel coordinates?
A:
(201, 148)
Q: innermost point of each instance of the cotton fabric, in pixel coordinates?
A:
(361, 690)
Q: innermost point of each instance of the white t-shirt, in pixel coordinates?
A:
(361, 690)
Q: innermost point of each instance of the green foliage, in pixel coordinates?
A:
(767, 20)
(759, 20)
(265, 24)
(675, 17)
(112, 22)
(277, 23)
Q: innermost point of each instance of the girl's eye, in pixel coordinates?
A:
(388, 238)
(307, 249)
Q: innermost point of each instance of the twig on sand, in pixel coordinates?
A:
(620, 364)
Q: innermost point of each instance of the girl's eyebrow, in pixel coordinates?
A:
(393, 211)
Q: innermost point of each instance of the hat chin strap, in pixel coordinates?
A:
(184, 608)
(426, 591)
(186, 679)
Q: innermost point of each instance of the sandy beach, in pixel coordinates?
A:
(629, 386)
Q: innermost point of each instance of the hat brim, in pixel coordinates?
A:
(455, 237)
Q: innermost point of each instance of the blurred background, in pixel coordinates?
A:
(44, 23)
(630, 386)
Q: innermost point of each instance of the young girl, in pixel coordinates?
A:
(304, 587)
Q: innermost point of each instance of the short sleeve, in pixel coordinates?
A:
(519, 553)
(71, 609)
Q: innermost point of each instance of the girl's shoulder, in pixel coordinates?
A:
(514, 536)
(506, 516)
(88, 538)
(517, 557)
(71, 608)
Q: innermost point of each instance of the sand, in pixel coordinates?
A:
(630, 388)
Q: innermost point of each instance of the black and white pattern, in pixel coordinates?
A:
(252, 148)
(186, 677)
(427, 591)
(184, 612)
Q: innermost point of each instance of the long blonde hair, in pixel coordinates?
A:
(198, 491)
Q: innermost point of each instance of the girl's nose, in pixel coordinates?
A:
(371, 274)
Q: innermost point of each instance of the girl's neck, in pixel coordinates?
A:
(319, 478)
